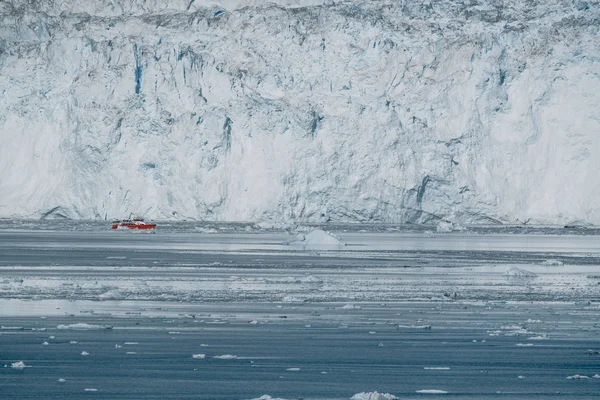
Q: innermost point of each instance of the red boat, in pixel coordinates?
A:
(134, 224)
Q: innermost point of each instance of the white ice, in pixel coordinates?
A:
(18, 365)
(81, 326)
(432, 391)
(577, 376)
(318, 239)
(373, 396)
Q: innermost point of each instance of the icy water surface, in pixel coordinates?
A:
(230, 314)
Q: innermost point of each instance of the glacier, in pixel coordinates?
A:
(414, 111)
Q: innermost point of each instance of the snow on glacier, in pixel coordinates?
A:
(305, 110)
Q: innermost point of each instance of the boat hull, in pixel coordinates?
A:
(136, 227)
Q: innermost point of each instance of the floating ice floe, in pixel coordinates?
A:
(45, 344)
(414, 326)
(317, 240)
(437, 368)
(85, 353)
(198, 356)
(432, 391)
(293, 369)
(597, 376)
(83, 326)
(61, 380)
(267, 397)
(351, 307)
(18, 365)
(551, 262)
(373, 396)
(539, 337)
(524, 344)
(90, 390)
(517, 332)
(577, 376)
(511, 327)
(519, 273)
(226, 357)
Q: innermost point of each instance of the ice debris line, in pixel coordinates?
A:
(395, 111)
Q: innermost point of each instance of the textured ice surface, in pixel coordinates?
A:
(373, 396)
(18, 365)
(301, 110)
(577, 376)
(226, 357)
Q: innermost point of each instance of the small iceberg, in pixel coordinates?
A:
(18, 365)
(577, 376)
(318, 240)
(373, 396)
(226, 357)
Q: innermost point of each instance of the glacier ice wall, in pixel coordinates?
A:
(395, 111)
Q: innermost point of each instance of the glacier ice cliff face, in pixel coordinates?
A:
(395, 111)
